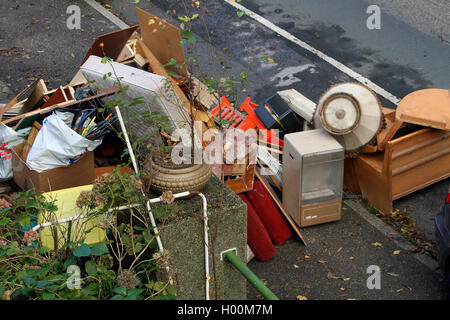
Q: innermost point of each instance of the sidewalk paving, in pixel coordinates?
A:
(334, 265)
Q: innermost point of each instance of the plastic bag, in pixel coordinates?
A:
(8, 139)
(57, 145)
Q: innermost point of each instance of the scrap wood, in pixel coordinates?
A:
(113, 44)
(58, 97)
(36, 96)
(128, 52)
(30, 140)
(78, 80)
(280, 206)
(103, 93)
(21, 96)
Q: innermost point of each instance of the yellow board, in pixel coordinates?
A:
(65, 200)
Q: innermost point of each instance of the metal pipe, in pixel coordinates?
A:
(205, 231)
(133, 160)
(249, 275)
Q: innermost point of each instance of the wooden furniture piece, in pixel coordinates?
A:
(399, 165)
(407, 164)
(427, 107)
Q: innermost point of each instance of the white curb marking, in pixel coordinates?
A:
(111, 17)
(341, 67)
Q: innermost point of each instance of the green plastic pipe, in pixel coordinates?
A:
(249, 275)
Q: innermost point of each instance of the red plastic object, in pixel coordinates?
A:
(253, 121)
(257, 237)
(226, 112)
(269, 213)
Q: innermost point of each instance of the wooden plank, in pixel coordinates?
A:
(57, 97)
(30, 140)
(163, 39)
(22, 95)
(37, 95)
(280, 206)
(103, 93)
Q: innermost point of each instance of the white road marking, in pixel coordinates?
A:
(286, 77)
(105, 12)
(341, 67)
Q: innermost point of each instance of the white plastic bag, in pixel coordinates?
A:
(57, 145)
(8, 139)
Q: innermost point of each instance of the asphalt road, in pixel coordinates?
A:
(35, 42)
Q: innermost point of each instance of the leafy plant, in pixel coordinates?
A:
(123, 267)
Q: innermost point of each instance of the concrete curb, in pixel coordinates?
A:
(390, 233)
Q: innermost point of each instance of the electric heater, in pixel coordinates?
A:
(313, 170)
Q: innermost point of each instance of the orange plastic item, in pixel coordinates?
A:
(252, 121)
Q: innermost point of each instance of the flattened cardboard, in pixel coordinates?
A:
(78, 174)
(163, 39)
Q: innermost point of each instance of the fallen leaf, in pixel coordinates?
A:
(296, 266)
(396, 252)
(351, 258)
(270, 60)
(299, 297)
(331, 276)
(393, 274)
(377, 244)
(321, 261)
(339, 250)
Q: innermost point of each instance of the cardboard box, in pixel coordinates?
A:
(78, 174)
